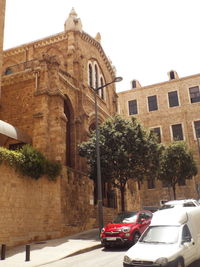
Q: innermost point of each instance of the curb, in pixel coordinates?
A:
(72, 254)
(84, 250)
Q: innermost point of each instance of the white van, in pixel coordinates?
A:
(171, 240)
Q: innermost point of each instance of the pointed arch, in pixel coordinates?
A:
(96, 71)
(96, 77)
(90, 75)
(69, 113)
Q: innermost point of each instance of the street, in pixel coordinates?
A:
(98, 258)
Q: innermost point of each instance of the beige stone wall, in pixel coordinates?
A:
(78, 211)
(186, 113)
(152, 197)
(30, 209)
(2, 18)
(33, 210)
(17, 102)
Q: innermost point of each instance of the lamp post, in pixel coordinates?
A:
(197, 136)
(99, 182)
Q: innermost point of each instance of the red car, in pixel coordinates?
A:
(126, 228)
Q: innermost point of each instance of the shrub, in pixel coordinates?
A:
(13, 158)
(34, 162)
(53, 169)
(30, 162)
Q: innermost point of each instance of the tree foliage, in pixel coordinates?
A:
(176, 164)
(127, 152)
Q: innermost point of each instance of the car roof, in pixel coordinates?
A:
(169, 217)
(176, 216)
(177, 202)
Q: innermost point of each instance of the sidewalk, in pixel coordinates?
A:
(52, 250)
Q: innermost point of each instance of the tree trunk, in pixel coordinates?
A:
(174, 190)
(122, 191)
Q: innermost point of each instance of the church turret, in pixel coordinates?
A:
(73, 22)
(98, 37)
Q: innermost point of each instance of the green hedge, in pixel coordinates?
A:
(30, 162)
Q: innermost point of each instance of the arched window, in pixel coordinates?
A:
(102, 90)
(96, 76)
(90, 76)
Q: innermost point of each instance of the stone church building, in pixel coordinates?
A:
(47, 101)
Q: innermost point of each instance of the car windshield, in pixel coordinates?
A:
(126, 217)
(161, 234)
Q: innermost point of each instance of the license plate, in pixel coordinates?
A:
(111, 238)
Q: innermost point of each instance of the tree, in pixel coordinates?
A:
(127, 152)
(176, 164)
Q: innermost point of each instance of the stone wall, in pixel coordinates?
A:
(2, 17)
(33, 210)
(152, 197)
(78, 211)
(30, 209)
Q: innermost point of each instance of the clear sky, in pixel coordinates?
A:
(144, 39)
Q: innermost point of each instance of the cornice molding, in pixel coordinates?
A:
(157, 85)
(57, 38)
(35, 44)
(95, 43)
(57, 92)
(18, 77)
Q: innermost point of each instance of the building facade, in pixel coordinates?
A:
(172, 110)
(50, 82)
(47, 101)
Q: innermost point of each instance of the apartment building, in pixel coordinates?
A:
(172, 110)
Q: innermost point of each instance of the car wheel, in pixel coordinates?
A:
(180, 263)
(107, 246)
(136, 236)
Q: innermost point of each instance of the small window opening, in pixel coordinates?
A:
(172, 76)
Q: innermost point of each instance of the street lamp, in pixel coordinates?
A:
(197, 136)
(99, 182)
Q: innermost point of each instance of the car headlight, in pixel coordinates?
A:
(126, 229)
(127, 260)
(102, 230)
(162, 261)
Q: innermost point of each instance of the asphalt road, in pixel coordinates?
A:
(98, 258)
